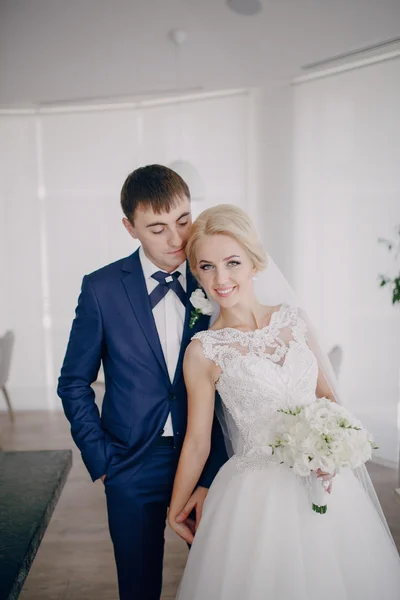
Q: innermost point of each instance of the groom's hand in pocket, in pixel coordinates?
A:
(195, 505)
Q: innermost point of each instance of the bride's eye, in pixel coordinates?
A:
(233, 263)
(205, 267)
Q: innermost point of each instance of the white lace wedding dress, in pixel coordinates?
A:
(259, 538)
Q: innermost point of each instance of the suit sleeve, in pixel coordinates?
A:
(218, 455)
(79, 371)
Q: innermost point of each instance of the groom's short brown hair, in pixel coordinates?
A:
(153, 186)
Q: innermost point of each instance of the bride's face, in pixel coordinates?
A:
(224, 269)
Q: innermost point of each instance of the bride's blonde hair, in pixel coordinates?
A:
(226, 219)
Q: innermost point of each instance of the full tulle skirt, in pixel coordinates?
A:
(259, 539)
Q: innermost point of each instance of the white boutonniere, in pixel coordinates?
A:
(202, 306)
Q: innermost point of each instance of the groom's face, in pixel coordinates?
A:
(163, 236)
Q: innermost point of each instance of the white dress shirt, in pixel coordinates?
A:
(169, 316)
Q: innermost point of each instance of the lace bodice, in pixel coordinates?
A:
(262, 371)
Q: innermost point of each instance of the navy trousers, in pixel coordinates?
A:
(137, 504)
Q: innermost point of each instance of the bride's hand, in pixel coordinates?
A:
(185, 530)
(194, 505)
(182, 523)
(327, 478)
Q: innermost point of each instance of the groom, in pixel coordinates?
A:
(133, 317)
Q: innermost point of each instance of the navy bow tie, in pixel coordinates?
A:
(166, 282)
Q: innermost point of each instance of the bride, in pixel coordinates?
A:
(258, 538)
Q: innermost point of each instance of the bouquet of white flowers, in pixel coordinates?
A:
(321, 436)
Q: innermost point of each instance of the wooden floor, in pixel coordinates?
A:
(75, 560)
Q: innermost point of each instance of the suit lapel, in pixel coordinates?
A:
(187, 333)
(136, 289)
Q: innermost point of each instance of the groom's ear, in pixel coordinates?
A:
(130, 228)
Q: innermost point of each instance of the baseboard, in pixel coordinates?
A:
(32, 398)
(383, 462)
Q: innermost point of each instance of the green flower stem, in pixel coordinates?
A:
(194, 317)
(320, 509)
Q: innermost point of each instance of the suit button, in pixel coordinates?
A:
(172, 396)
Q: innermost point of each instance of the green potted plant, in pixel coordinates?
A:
(394, 284)
(385, 280)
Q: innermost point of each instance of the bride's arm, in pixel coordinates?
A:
(323, 388)
(200, 384)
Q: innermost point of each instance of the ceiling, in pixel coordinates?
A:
(70, 50)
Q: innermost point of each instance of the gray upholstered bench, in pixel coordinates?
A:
(30, 485)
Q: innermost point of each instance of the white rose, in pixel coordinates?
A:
(322, 415)
(301, 469)
(336, 447)
(201, 302)
(327, 465)
(301, 431)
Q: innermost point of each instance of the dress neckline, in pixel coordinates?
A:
(274, 316)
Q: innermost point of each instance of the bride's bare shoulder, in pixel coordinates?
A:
(198, 360)
(195, 349)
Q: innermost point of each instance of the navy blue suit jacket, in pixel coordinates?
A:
(114, 324)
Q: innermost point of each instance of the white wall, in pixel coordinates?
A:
(61, 175)
(21, 262)
(273, 142)
(315, 164)
(346, 195)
